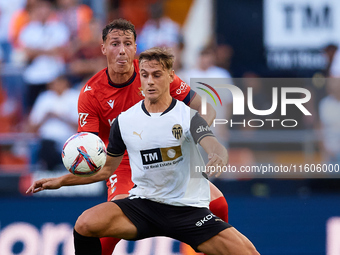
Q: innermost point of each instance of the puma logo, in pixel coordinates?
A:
(140, 135)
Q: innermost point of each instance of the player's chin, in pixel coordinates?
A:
(122, 68)
(152, 97)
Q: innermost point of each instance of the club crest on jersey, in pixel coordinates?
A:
(82, 118)
(177, 131)
(111, 102)
(141, 92)
(87, 88)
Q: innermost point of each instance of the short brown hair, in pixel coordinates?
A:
(163, 55)
(120, 24)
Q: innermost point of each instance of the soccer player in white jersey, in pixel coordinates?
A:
(169, 198)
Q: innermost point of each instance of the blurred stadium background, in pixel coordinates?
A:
(250, 43)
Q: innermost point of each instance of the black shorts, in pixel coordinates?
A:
(191, 225)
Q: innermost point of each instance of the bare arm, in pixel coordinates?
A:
(196, 105)
(217, 153)
(70, 180)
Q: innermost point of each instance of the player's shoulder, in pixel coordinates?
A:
(181, 106)
(135, 109)
(96, 82)
(178, 86)
(183, 111)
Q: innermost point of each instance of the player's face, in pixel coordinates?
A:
(155, 80)
(119, 49)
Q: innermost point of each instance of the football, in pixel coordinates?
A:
(84, 154)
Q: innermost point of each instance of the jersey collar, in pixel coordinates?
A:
(172, 105)
(121, 85)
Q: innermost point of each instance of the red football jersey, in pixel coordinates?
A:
(101, 101)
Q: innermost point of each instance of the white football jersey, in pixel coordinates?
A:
(163, 154)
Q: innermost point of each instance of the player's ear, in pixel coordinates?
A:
(103, 48)
(172, 75)
(135, 48)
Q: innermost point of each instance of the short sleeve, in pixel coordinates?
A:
(116, 145)
(181, 91)
(88, 119)
(199, 128)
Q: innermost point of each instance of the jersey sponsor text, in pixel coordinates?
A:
(204, 220)
(182, 88)
(158, 155)
(202, 129)
(111, 121)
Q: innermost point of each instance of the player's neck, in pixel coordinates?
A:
(120, 78)
(159, 105)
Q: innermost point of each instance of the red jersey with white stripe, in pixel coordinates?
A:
(101, 101)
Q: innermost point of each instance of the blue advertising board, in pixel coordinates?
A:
(286, 224)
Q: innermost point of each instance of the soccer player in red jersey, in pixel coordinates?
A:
(114, 90)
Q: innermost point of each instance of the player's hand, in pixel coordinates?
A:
(215, 165)
(47, 183)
